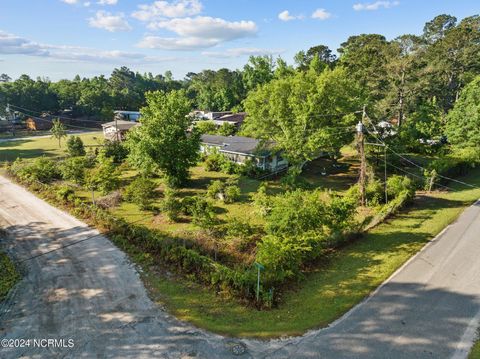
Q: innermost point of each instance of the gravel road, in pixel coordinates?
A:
(92, 294)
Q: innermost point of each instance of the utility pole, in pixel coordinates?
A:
(400, 100)
(363, 161)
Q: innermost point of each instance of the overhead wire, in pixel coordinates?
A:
(407, 159)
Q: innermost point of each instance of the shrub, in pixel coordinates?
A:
(141, 191)
(398, 184)
(228, 192)
(374, 192)
(73, 169)
(171, 204)
(215, 190)
(214, 162)
(203, 214)
(115, 150)
(232, 194)
(250, 169)
(104, 177)
(65, 193)
(230, 167)
(75, 146)
(40, 169)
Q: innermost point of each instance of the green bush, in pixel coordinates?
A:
(232, 194)
(171, 204)
(374, 192)
(228, 192)
(398, 184)
(203, 214)
(75, 146)
(141, 191)
(65, 193)
(40, 169)
(104, 177)
(73, 169)
(115, 150)
(230, 167)
(215, 161)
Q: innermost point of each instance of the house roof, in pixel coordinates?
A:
(238, 144)
(233, 117)
(121, 124)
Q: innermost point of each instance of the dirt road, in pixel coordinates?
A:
(92, 294)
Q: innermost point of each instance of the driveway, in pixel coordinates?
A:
(90, 292)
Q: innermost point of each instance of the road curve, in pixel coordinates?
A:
(92, 294)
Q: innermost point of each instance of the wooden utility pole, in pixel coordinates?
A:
(363, 162)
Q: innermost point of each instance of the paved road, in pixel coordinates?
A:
(91, 293)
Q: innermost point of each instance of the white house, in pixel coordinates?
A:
(240, 149)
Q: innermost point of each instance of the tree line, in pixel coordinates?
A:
(414, 80)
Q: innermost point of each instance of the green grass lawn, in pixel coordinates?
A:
(8, 275)
(339, 284)
(45, 146)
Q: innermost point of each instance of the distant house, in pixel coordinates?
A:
(240, 149)
(220, 118)
(133, 116)
(116, 130)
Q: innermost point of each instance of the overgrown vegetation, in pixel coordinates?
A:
(8, 275)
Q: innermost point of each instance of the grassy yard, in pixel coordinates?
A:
(338, 285)
(44, 146)
(8, 275)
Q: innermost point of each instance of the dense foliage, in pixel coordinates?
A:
(162, 143)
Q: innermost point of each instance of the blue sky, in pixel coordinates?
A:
(61, 38)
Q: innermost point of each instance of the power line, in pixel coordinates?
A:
(421, 177)
(67, 125)
(21, 109)
(413, 163)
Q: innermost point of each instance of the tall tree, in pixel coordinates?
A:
(304, 113)
(162, 142)
(365, 57)
(463, 121)
(257, 71)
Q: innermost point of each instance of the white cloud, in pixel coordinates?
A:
(286, 16)
(87, 3)
(375, 5)
(208, 27)
(70, 2)
(198, 32)
(107, 2)
(107, 21)
(242, 51)
(321, 14)
(172, 43)
(159, 10)
(14, 45)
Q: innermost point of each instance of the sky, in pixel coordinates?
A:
(61, 38)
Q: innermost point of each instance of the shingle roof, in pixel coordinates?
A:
(237, 144)
(121, 124)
